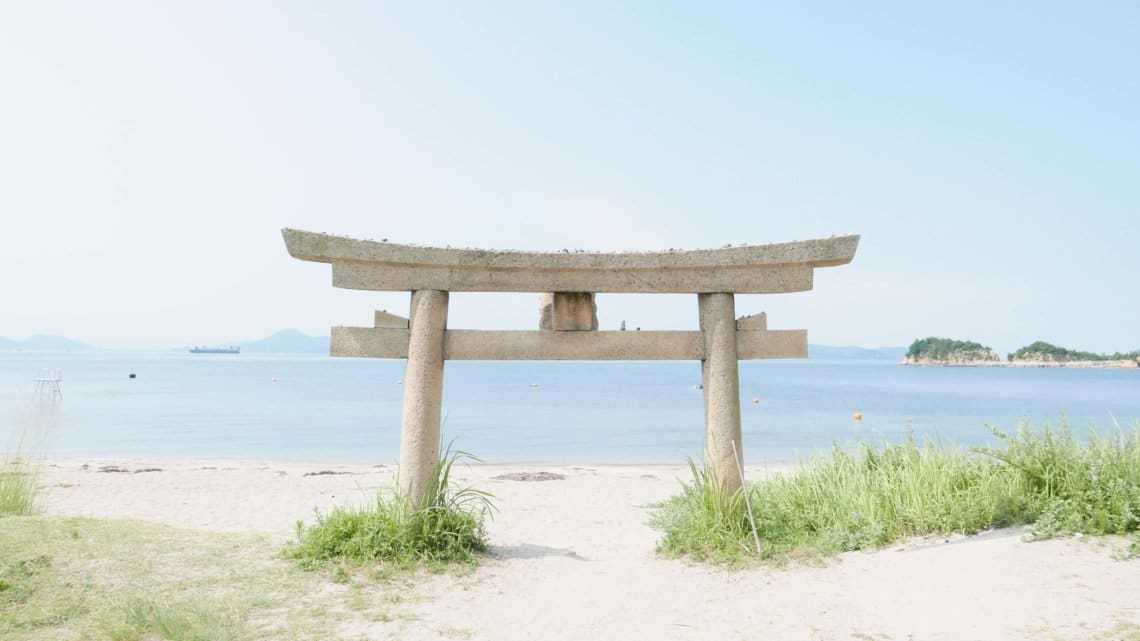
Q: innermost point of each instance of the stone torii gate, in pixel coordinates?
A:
(568, 326)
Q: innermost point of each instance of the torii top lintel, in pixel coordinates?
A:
(743, 269)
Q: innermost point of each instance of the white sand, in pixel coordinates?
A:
(574, 559)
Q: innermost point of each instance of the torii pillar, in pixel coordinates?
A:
(423, 392)
(568, 325)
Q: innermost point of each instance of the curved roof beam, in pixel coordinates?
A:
(744, 269)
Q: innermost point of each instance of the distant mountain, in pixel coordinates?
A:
(288, 341)
(851, 352)
(44, 343)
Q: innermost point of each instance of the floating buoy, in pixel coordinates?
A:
(858, 416)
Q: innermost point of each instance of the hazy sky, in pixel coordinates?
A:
(989, 154)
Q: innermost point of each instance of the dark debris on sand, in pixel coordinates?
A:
(115, 469)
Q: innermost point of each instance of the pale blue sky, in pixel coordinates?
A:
(988, 153)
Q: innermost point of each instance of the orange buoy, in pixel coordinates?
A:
(858, 416)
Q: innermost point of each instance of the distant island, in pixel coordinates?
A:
(287, 341)
(1042, 354)
(43, 343)
(854, 353)
(948, 352)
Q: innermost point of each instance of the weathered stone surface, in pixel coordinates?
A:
(753, 322)
(758, 280)
(721, 378)
(765, 344)
(508, 345)
(567, 312)
(423, 394)
(384, 319)
(747, 269)
(546, 311)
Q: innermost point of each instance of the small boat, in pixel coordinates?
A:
(215, 350)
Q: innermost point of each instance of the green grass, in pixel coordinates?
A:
(853, 500)
(19, 485)
(448, 528)
(70, 579)
(65, 578)
(1092, 488)
(142, 619)
(20, 466)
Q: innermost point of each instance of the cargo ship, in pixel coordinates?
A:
(215, 350)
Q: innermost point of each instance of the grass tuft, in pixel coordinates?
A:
(143, 619)
(449, 528)
(19, 486)
(20, 468)
(702, 522)
(874, 495)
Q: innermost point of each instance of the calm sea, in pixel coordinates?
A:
(311, 408)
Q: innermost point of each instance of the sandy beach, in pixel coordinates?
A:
(573, 558)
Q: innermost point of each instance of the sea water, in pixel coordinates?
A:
(316, 408)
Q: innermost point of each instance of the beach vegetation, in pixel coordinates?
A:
(20, 466)
(78, 578)
(1129, 551)
(448, 528)
(867, 496)
(1090, 487)
(19, 485)
(142, 619)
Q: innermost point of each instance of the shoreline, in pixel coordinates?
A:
(749, 466)
(270, 497)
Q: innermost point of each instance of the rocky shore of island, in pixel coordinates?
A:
(1105, 364)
